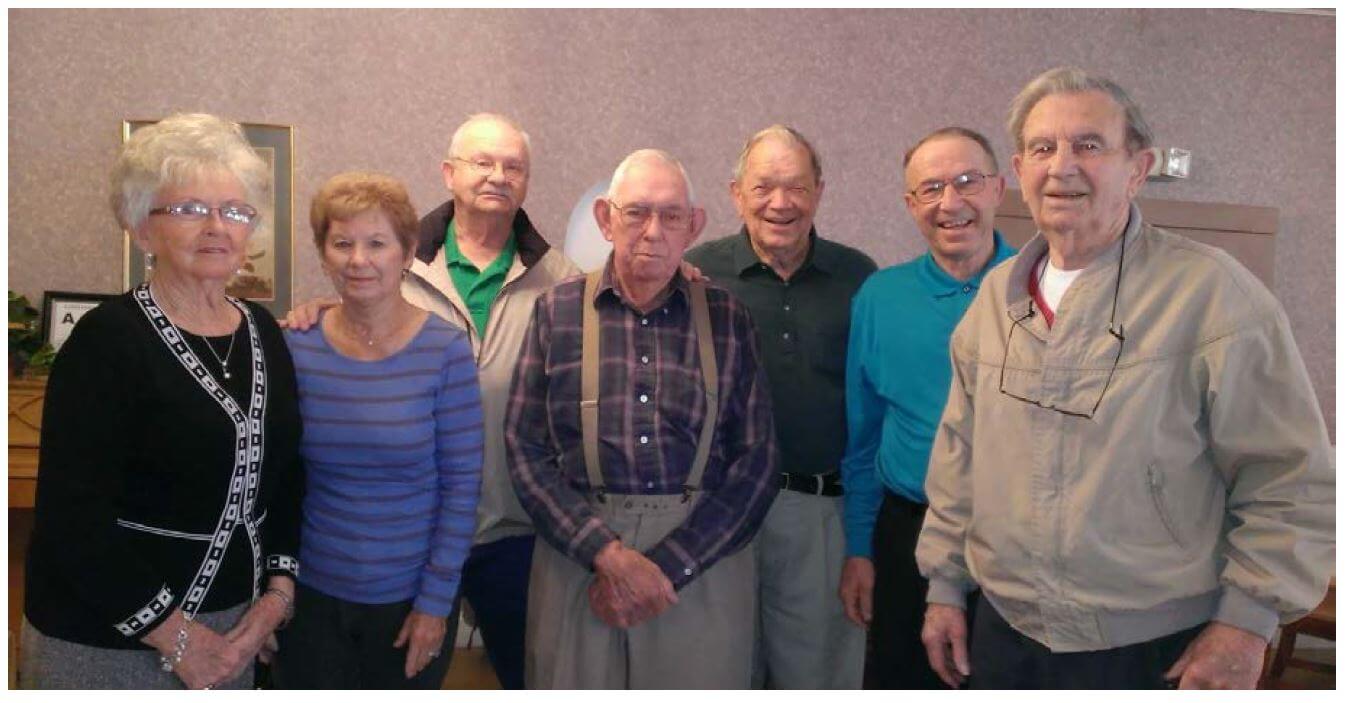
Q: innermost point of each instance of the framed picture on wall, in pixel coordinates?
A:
(265, 275)
(62, 309)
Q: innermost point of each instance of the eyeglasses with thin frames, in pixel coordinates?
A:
(484, 167)
(967, 183)
(1118, 332)
(197, 211)
(635, 216)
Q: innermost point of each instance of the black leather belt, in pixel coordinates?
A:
(817, 485)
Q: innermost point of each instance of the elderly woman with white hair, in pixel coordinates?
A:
(168, 503)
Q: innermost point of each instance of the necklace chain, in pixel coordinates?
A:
(224, 362)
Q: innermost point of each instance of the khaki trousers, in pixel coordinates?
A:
(705, 640)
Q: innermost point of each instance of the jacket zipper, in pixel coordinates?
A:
(1157, 496)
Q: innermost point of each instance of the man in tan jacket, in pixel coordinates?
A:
(1132, 465)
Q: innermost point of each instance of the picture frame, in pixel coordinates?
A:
(266, 276)
(62, 309)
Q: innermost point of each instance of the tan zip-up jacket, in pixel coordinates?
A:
(537, 268)
(1202, 488)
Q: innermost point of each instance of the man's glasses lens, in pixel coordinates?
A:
(636, 216)
(969, 183)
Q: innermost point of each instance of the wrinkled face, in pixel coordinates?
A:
(1076, 171)
(210, 249)
(777, 195)
(958, 227)
(363, 257)
(500, 188)
(650, 222)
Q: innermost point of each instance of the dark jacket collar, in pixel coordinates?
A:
(432, 235)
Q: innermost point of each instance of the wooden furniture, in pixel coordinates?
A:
(25, 428)
(1321, 623)
(1247, 233)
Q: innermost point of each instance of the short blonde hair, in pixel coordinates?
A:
(349, 194)
(178, 150)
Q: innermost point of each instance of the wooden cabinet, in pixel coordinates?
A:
(25, 429)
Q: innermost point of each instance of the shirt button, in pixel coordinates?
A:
(689, 572)
(643, 359)
(650, 484)
(967, 288)
(643, 398)
(643, 321)
(786, 336)
(643, 439)
(664, 311)
(786, 308)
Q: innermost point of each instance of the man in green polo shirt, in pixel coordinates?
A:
(798, 288)
(477, 287)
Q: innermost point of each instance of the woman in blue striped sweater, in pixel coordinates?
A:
(392, 446)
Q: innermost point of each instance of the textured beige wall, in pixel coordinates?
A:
(1250, 93)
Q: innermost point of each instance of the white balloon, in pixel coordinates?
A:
(582, 242)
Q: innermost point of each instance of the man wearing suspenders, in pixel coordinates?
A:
(640, 440)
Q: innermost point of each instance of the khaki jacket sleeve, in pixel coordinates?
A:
(1271, 446)
(948, 485)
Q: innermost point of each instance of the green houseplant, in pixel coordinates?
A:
(27, 351)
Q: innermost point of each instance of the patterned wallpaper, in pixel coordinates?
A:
(1250, 93)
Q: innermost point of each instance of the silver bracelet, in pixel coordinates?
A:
(290, 605)
(169, 661)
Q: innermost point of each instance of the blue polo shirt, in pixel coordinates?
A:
(897, 374)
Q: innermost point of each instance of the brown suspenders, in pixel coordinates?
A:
(591, 371)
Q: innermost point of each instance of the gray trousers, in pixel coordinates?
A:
(805, 640)
(703, 641)
(51, 663)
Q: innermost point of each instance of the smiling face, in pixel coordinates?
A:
(363, 257)
(777, 195)
(211, 249)
(959, 228)
(648, 253)
(497, 192)
(1077, 173)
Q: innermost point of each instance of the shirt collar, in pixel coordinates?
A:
(454, 257)
(941, 284)
(744, 258)
(608, 284)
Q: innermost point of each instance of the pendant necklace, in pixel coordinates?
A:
(224, 362)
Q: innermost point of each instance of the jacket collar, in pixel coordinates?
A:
(530, 246)
(1017, 299)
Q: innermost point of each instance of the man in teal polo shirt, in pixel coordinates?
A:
(896, 383)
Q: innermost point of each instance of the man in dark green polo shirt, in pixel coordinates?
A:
(798, 288)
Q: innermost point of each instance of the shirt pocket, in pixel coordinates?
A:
(826, 348)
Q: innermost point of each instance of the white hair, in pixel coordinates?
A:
(650, 155)
(178, 150)
(478, 118)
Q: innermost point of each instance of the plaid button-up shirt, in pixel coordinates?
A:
(651, 408)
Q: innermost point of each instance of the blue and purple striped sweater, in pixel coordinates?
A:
(393, 451)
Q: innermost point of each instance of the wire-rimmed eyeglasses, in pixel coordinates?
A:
(1118, 332)
(241, 214)
(966, 183)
